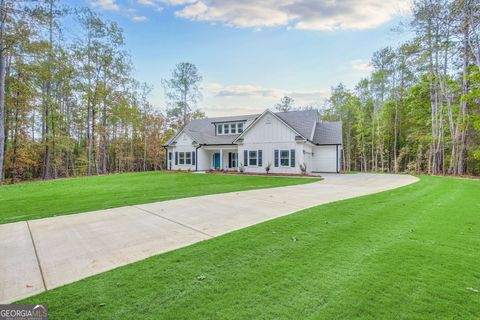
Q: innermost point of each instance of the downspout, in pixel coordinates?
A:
(196, 157)
(166, 157)
(337, 158)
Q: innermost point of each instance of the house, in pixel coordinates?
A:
(284, 140)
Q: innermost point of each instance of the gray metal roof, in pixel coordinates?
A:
(328, 133)
(203, 130)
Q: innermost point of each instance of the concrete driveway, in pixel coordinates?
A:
(46, 253)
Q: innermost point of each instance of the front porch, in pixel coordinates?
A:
(222, 158)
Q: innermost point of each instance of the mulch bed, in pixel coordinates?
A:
(264, 174)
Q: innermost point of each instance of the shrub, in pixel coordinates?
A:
(267, 167)
(303, 168)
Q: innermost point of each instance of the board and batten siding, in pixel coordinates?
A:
(269, 134)
(184, 144)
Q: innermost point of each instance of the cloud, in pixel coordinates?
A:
(246, 90)
(328, 15)
(155, 4)
(139, 18)
(109, 5)
(361, 65)
(220, 99)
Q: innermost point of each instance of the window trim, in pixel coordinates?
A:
(253, 158)
(280, 158)
(181, 158)
(185, 158)
(258, 155)
(229, 128)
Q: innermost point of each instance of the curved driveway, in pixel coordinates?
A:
(47, 253)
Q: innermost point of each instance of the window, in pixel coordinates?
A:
(229, 128)
(252, 158)
(284, 158)
(185, 158)
(181, 158)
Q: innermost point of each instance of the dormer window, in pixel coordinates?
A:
(228, 128)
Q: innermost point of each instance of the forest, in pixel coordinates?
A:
(70, 104)
(419, 109)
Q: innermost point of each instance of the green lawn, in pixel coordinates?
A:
(58, 197)
(409, 253)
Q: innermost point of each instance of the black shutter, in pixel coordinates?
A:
(176, 158)
(259, 158)
(292, 158)
(276, 157)
(245, 157)
(229, 159)
(169, 156)
(193, 158)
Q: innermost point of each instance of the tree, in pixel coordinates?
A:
(286, 104)
(183, 91)
(3, 63)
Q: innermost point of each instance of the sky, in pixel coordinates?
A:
(253, 52)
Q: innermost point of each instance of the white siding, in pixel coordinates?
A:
(307, 156)
(269, 134)
(203, 159)
(325, 159)
(184, 144)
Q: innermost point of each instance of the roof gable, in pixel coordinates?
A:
(268, 111)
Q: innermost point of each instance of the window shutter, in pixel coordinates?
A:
(276, 158)
(176, 158)
(193, 158)
(292, 158)
(245, 157)
(259, 158)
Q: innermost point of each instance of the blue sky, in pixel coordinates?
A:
(251, 53)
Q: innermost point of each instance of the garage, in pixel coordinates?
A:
(325, 158)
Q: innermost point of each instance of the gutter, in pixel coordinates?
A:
(166, 157)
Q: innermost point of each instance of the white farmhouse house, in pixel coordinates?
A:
(284, 140)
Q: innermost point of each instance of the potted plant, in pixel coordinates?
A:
(241, 168)
(267, 167)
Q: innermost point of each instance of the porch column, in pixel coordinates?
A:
(221, 158)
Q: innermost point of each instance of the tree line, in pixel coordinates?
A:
(419, 109)
(69, 103)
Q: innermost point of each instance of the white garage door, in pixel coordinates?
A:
(324, 159)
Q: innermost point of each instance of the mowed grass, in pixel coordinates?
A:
(409, 253)
(59, 197)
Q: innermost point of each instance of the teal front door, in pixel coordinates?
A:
(216, 160)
